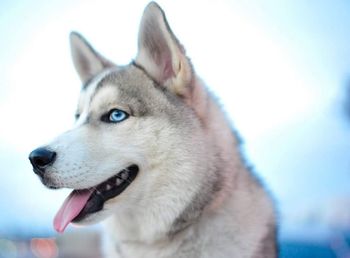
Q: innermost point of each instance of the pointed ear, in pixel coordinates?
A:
(87, 61)
(160, 53)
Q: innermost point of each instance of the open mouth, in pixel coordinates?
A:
(81, 203)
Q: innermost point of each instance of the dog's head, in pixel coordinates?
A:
(136, 132)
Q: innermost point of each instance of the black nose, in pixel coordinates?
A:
(41, 158)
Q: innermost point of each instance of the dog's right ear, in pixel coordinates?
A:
(87, 61)
(160, 53)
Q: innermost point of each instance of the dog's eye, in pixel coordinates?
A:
(115, 116)
(77, 116)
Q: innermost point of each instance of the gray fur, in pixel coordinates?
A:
(268, 246)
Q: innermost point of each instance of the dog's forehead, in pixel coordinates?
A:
(89, 89)
(123, 86)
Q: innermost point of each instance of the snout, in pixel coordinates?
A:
(41, 158)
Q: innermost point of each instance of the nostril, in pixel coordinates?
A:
(42, 157)
(42, 161)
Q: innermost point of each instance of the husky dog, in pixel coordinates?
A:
(153, 156)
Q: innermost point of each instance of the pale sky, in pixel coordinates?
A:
(279, 69)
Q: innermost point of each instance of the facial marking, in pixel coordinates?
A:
(88, 94)
(105, 99)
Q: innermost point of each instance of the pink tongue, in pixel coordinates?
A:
(71, 207)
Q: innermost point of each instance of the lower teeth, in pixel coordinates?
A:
(124, 175)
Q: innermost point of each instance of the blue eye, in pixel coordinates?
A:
(115, 116)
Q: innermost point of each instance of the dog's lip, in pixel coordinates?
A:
(106, 190)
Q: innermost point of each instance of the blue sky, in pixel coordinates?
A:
(279, 69)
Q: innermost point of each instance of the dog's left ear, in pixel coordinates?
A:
(87, 61)
(160, 53)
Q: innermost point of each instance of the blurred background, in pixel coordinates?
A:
(281, 70)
